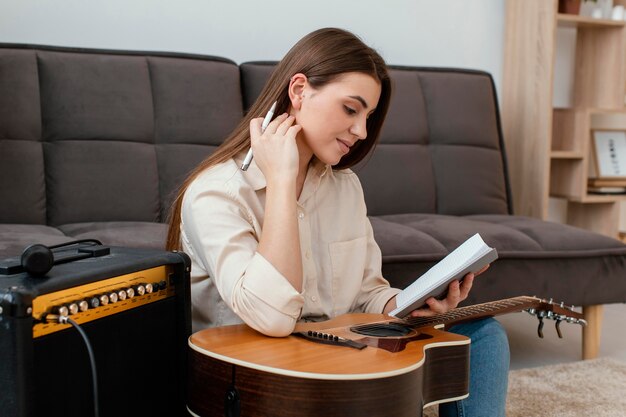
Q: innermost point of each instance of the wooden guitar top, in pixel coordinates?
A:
(296, 356)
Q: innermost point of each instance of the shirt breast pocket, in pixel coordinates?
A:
(348, 268)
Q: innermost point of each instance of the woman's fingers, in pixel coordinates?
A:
(293, 131)
(466, 286)
(423, 312)
(454, 292)
(285, 125)
(274, 124)
(457, 292)
(438, 306)
(486, 267)
(255, 127)
(280, 125)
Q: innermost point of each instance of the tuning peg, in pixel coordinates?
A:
(558, 328)
(540, 328)
(531, 311)
(562, 304)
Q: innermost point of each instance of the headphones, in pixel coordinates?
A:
(38, 259)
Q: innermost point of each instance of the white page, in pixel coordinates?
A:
(457, 260)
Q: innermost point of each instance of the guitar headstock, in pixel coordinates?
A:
(548, 309)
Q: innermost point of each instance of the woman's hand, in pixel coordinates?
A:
(275, 150)
(457, 292)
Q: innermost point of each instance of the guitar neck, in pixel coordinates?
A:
(490, 309)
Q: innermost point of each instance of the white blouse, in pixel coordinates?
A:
(222, 222)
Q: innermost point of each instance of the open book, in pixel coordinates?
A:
(471, 256)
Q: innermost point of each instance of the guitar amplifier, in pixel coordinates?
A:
(133, 305)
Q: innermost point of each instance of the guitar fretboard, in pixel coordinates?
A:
(476, 311)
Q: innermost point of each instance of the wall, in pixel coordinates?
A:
(457, 33)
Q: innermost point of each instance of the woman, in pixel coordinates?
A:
(289, 239)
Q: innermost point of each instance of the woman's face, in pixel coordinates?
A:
(334, 116)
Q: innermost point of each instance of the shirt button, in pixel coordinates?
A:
(301, 215)
(307, 255)
(313, 298)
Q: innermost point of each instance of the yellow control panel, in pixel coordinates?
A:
(92, 301)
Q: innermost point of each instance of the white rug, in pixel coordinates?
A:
(592, 388)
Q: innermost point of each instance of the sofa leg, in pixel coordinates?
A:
(592, 331)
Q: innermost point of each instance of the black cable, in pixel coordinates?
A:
(92, 359)
(76, 242)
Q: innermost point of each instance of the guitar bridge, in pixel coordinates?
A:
(330, 339)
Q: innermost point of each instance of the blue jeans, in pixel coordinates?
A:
(489, 371)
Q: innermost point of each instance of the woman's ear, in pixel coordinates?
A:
(297, 84)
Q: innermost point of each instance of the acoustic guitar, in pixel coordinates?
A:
(353, 365)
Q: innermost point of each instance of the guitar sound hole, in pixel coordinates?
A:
(381, 330)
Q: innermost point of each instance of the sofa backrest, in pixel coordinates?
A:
(106, 135)
(93, 135)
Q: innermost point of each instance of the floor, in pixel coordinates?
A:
(528, 350)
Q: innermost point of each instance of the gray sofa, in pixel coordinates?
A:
(93, 144)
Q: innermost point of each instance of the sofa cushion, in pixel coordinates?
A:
(19, 102)
(131, 234)
(540, 252)
(91, 96)
(254, 75)
(195, 101)
(16, 237)
(22, 182)
(432, 162)
(100, 181)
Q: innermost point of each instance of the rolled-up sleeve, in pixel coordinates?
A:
(221, 232)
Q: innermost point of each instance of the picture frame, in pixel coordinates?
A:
(609, 154)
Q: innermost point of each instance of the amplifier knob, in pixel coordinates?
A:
(62, 311)
(130, 292)
(104, 299)
(94, 302)
(113, 297)
(163, 285)
(139, 289)
(149, 288)
(73, 308)
(122, 295)
(83, 305)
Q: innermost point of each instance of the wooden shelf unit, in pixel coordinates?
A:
(550, 147)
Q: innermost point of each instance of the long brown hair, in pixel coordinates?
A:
(322, 56)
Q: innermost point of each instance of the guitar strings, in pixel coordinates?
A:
(455, 314)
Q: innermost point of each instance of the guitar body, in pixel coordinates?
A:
(355, 364)
(235, 368)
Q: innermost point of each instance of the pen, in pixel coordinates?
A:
(266, 121)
